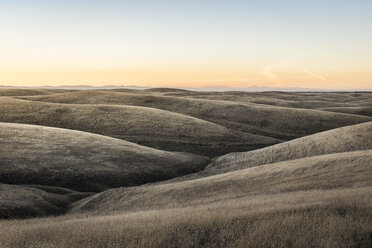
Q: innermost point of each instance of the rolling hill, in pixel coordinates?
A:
(29, 92)
(344, 139)
(26, 201)
(145, 126)
(90, 187)
(83, 161)
(326, 172)
(311, 100)
(356, 110)
(321, 201)
(273, 121)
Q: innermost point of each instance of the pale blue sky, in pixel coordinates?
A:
(257, 42)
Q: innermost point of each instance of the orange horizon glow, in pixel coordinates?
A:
(192, 78)
(282, 44)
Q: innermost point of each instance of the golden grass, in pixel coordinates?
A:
(29, 92)
(273, 121)
(145, 126)
(26, 201)
(356, 110)
(337, 218)
(83, 161)
(333, 171)
(310, 100)
(314, 191)
(344, 139)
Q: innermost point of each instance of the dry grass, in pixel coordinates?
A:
(83, 161)
(336, 219)
(357, 110)
(314, 191)
(167, 90)
(311, 100)
(29, 92)
(145, 126)
(263, 98)
(342, 170)
(19, 201)
(273, 121)
(344, 139)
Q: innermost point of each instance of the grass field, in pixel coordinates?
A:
(266, 120)
(84, 161)
(171, 168)
(26, 201)
(146, 126)
(344, 139)
(335, 218)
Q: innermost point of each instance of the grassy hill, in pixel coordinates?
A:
(332, 171)
(145, 126)
(357, 110)
(265, 98)
(82, 161)
(29, 92)
(312, 191)
(25, 201)
(321, 201)
(344, 139)
(273, 121)
(167, 90)
(311, 100)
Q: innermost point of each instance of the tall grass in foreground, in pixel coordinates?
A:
(334, 225)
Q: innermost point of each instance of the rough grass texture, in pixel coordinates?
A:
(311, 100)
(314, 191)
(266, 120)
(145, 126)
(358, 110)
(334, 218)
(19, 201)
(344, 139)
(341, 170)
(82, 161)
(29, 92)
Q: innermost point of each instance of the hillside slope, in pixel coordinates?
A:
(273, 121)
(309, 100)
(29, 92)
(358, 110)
(344, 139)
(83, 161)
(22, 201)
(311, 192)
(145, 126)
(340, 170)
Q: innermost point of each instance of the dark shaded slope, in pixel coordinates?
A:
(22, 201)
(83, 161)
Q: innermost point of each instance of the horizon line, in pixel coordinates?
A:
(201, 88)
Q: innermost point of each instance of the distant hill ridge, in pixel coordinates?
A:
(277, 122)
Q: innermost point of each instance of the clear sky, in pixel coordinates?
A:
(194, 43)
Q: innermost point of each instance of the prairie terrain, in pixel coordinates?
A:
(267, 120)
(340, 170)
(145, 126)
(29, 92)
(83, 161)
(168, 167)
(362, 110)
(344, 139)
(25, 201)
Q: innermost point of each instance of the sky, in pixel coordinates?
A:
(323, 44)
